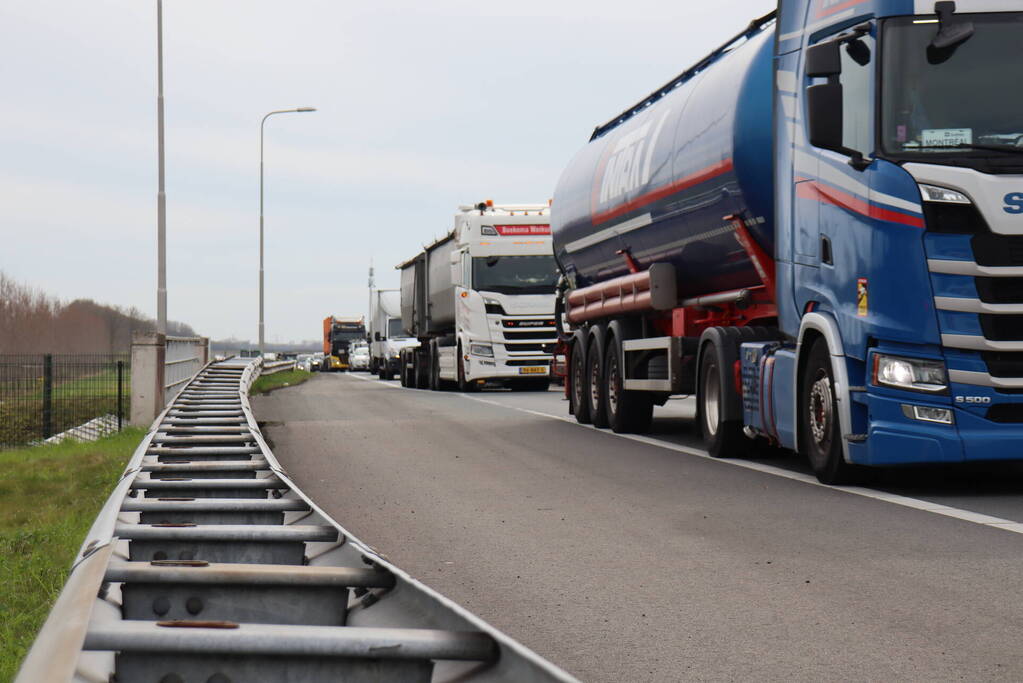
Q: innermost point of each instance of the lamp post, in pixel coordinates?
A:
(262, 125)
(161, 197)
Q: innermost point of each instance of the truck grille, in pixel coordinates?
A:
(527, 348)
(998, 250)
(542, 335)
(1001, 327)
(999, 290)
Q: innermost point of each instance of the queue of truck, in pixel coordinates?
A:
(816, 231)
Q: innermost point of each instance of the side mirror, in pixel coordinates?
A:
(824, 59)
(377, 337)
(824, 114)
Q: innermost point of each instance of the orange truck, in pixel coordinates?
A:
(338, 335)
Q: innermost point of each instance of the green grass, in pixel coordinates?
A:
(284, 378)
(49, 497)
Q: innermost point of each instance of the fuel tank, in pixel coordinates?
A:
(659, 180)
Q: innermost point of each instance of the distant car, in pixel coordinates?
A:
(359, 358)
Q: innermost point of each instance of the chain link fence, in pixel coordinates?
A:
(57, 395)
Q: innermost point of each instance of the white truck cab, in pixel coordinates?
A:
(481, 300)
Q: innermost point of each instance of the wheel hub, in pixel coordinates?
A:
(595, 383)
(820, 417)
(612, 385)
(711, 400)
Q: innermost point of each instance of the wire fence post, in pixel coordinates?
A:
(120, 394)
(47, 396)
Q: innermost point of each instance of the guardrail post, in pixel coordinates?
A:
(120, 395)
(148, 351)
(47, 396)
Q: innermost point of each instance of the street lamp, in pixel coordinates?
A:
(161, 197)
(262, 125)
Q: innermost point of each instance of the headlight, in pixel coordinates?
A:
(933, 193)
(481, 350)
(914, 374)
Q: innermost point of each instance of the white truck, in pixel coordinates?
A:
(480, 301)
(386, 334)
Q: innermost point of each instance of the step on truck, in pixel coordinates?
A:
(818, 231)
(338, 336)
(480, 301)
(386, 333)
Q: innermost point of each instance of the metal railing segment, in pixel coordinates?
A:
(207, 563)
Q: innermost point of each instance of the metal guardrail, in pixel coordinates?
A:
(207, 563)
(183, 358)
(270, 367)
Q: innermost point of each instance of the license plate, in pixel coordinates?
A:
(534, 370)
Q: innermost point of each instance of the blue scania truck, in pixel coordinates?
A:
(817, 230)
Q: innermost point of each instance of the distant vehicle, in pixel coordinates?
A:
(304, 361)
(386, 334)
(338, 335)
(269, 355)
(359, 357)
(481, 301)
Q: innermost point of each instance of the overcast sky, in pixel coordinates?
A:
(423, 105)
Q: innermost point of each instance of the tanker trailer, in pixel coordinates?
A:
(480, 300)
(812, 230)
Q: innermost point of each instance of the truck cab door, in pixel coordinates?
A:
(833, 228)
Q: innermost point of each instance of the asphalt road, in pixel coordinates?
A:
(641, 559)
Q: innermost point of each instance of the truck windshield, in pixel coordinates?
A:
(394, 329)
(949, 105)
(515, 274)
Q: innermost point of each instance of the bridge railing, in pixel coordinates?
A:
(183, 358)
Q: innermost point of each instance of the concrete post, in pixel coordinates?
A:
(148, 356)
(205, 343)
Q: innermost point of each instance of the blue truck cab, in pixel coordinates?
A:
(899, 153)
(818, 231)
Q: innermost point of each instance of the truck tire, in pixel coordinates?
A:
(722, 436)
(627, 411)
(577, 380)
(420, 371)
(435, 383)
(820, 432)
(595, 397)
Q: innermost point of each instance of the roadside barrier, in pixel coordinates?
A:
(270, 367)
(207, 563)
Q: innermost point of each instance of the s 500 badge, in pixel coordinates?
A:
(973, 400)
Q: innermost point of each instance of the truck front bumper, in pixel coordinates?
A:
(895, 439)
(488, 368)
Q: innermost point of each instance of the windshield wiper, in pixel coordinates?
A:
(995, 147)
(970, 145)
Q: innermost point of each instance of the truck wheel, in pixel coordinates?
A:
(595, 397)
(627, 411)
(820, 434)
(422, 379)
(435, 383)
(721, 437)
(577, 378)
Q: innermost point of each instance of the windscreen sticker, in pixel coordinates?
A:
(946, 137)
(861, 296)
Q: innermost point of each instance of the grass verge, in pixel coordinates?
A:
(284, 378)
(49, 497)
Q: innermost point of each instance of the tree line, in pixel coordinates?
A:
(32, 321)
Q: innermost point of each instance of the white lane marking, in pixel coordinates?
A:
(894, 498)
(372, 378)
